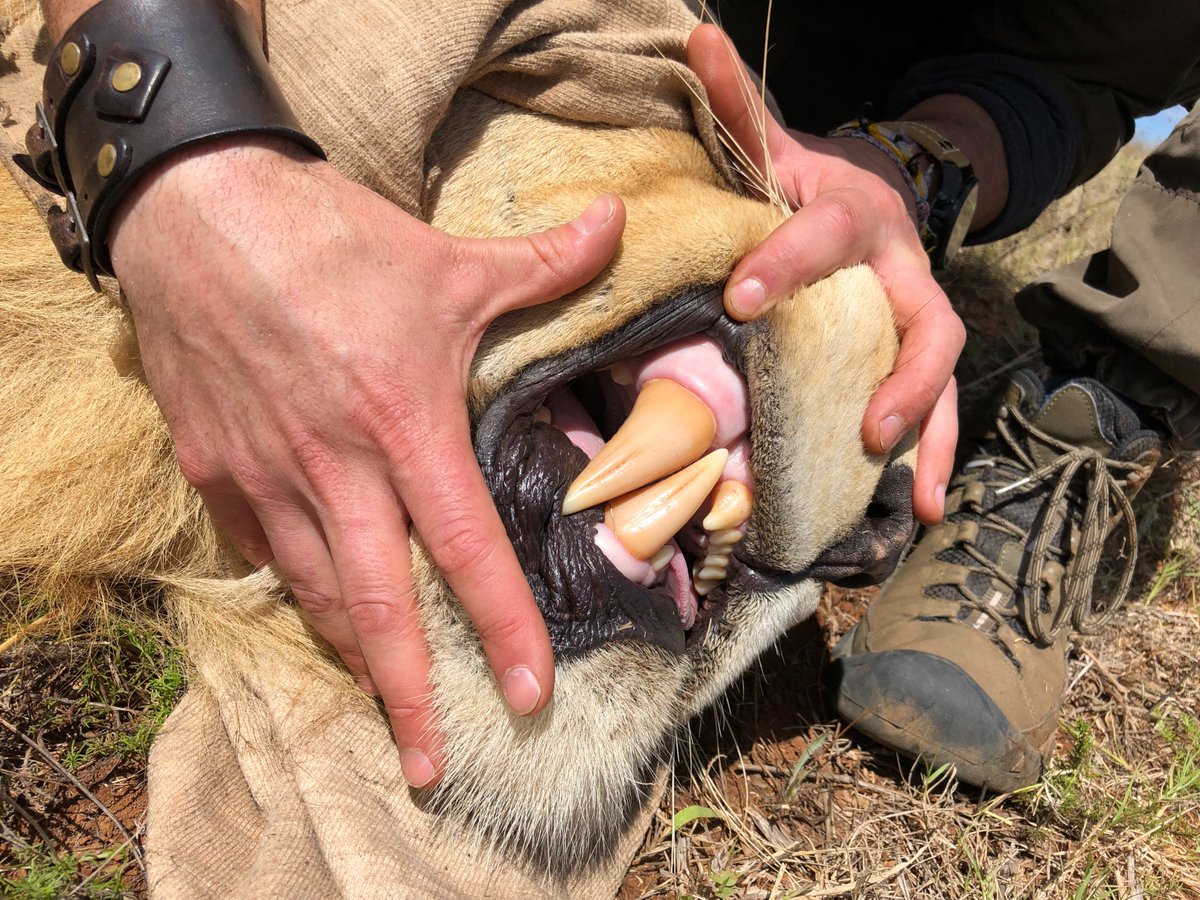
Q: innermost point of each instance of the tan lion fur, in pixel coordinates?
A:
(93, 506)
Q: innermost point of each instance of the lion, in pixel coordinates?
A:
(274, 762)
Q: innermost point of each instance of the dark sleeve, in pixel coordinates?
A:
(1063, 81)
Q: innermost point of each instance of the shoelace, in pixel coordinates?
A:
(1105, 503)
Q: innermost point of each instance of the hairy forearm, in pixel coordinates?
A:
(60, 14)
(967, 125)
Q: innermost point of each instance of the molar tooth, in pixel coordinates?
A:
(668, 428)
(662, 558)
(621, 373)
(730, 508)
(645, 519)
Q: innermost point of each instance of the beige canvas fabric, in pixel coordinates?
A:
(371, 81)
(260, 784)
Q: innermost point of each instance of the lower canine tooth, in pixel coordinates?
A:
(662, 558)
(669, 427)
(731, 506)
(645, 519)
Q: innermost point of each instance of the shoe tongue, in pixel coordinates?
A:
(1081, 413)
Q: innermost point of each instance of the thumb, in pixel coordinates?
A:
(544, 266)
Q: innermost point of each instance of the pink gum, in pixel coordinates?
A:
(696, 363)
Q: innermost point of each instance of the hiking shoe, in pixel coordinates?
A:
(961, 658)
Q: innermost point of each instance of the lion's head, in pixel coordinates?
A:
(643, 641)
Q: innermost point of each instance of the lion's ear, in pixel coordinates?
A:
(870, 552)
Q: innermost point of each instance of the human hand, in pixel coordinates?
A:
(851, 206)
(309, 343)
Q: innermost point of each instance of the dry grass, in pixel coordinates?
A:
(780, 800)
(788, 804)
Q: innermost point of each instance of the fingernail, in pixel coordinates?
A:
(748, 297)
(891, 430)
(418, 770)
(939, 497)
(521, 690)
(595, 216)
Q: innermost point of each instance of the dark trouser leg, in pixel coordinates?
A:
(1131, 314)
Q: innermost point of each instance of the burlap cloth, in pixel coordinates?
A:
(260, 783)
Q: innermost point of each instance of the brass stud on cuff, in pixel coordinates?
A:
(126, 76)
(106, 160)
(69, 58)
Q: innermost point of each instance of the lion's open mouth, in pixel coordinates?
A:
(643, 437)
(667, 436)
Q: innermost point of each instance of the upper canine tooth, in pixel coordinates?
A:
(731, 506)
(669, 427)
(645, 519)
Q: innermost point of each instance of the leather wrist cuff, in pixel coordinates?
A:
(131, 82)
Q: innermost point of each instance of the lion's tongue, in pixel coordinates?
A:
(679, 582)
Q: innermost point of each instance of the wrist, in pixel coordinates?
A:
(937, 174)
(214, 181)
(109, 114)
(967, 125)
(879, 162)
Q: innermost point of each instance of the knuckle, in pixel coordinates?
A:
(316, 604)
(386, 412)
(383, 618)
(956, 331)
(407, 715)
(926, 396)
(256, 550)
(199, 467)
(553, 253)
(313, 455)
(843, 217)
(460, 546)
(253, 479)
(501, 630)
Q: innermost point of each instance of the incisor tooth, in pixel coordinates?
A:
(730, 508)
(668, 428)
(645, 519)
(726, 538)
(703, 587)
(712, 573)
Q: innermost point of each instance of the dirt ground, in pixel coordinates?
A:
(771, 797)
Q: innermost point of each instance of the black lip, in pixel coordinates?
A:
(586, 602)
